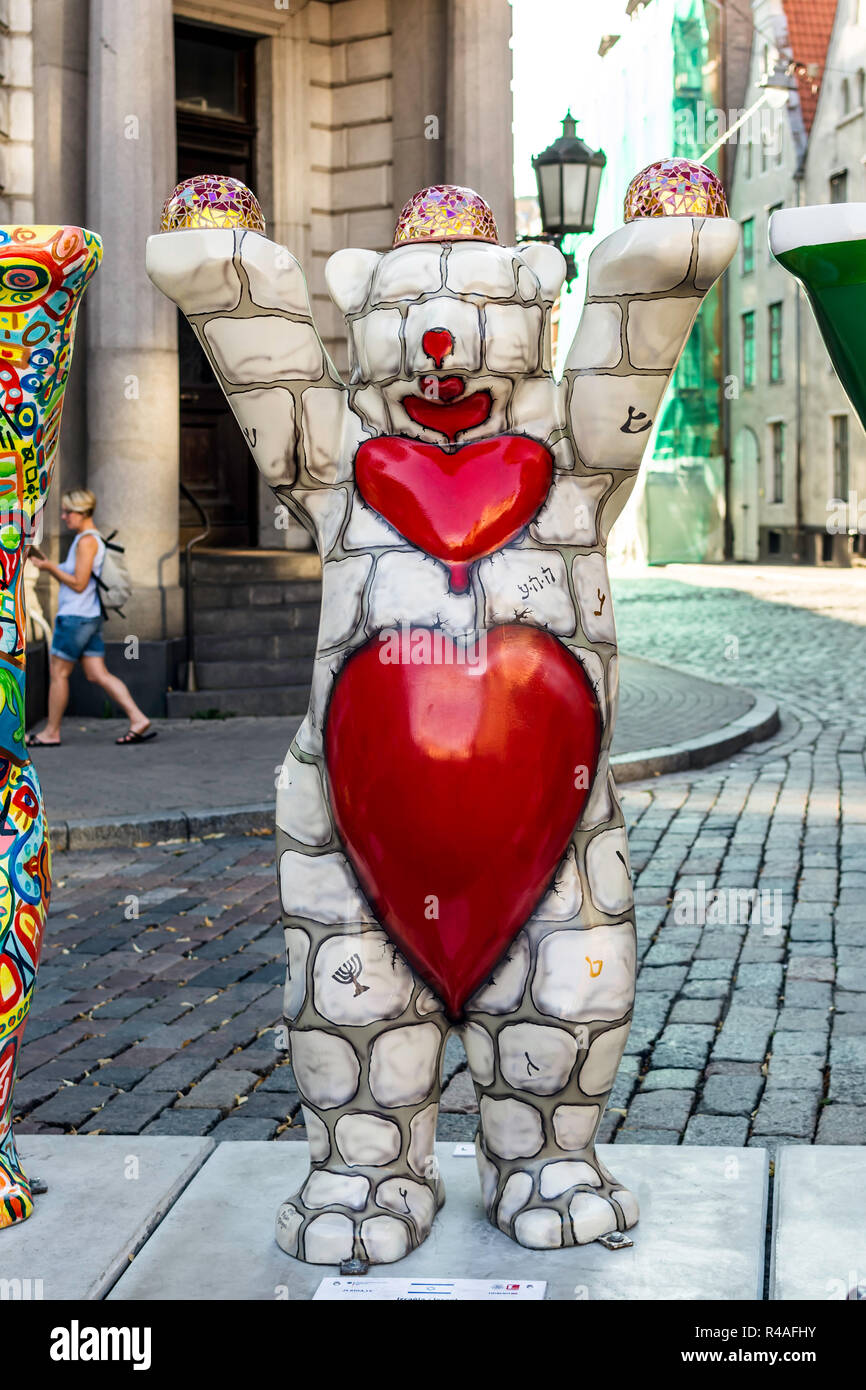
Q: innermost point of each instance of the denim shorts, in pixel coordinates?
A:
(76, 637)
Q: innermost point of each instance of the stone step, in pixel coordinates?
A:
(229, 622)
(819, 1212)
(119, 1224)
(246, 566)
(284, 594)
(234, 674)
(267, 700)
(255, 646)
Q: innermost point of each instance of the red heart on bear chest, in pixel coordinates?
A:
(456, 788)
(458, 505)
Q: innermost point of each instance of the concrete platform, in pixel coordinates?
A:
(105, 1196)
(701, 1235)
(819, 1222)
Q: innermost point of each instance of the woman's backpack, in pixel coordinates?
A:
(113, 584)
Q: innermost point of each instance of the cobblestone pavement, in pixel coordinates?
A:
(752, 1031)
(750, 1023)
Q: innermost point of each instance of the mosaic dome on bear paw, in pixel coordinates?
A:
(446, 212)
(211, 200)
(675, 188)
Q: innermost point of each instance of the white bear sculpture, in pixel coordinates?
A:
(451, 849)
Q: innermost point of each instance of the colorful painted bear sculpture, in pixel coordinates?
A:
(43, 273)
(451, 849)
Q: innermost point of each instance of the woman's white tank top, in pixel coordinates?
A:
(86, 604)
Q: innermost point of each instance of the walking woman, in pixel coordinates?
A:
(78, 625)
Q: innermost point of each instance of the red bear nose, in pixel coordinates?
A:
(437, 343)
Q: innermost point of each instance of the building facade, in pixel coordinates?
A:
(756, 448)
(671, 75)
(797, 449)
(334, 113)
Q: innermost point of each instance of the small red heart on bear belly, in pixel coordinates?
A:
(456, 506)
(456, 788)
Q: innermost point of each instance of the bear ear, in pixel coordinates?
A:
(348, 275)
(547, 264)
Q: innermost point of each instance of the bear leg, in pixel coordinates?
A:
(366, 1043)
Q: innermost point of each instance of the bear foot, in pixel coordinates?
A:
(560, 1200)
(367, 1215)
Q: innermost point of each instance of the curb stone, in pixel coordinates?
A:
(115, 832)
(760, 722)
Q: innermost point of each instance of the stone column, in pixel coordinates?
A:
(479, 147)
(59, 194)
(420, 58)
(132, 366)
(282, 184)
(60, 100)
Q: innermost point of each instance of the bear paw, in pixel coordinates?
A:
(556, 1201)
(344, 1216)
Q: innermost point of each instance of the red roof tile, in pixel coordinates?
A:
(810, 23)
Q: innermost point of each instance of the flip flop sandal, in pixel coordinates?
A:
(34, 741)
(131, 737)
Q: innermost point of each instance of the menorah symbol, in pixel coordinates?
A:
(349, 972)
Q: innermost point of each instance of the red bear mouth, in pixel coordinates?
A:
(443, 408)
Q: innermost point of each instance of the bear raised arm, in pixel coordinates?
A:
(645, 285)
(246, 300)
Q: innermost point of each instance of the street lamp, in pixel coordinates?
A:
(568, 174)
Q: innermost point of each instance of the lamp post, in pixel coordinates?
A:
(568, 174)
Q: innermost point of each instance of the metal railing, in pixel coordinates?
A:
(191, 682)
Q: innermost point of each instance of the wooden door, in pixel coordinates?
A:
(215, 135)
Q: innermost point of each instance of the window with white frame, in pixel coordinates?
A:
(774, 207)
(774, 315)
(840, 456)
(839, 187)
(777, 457)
